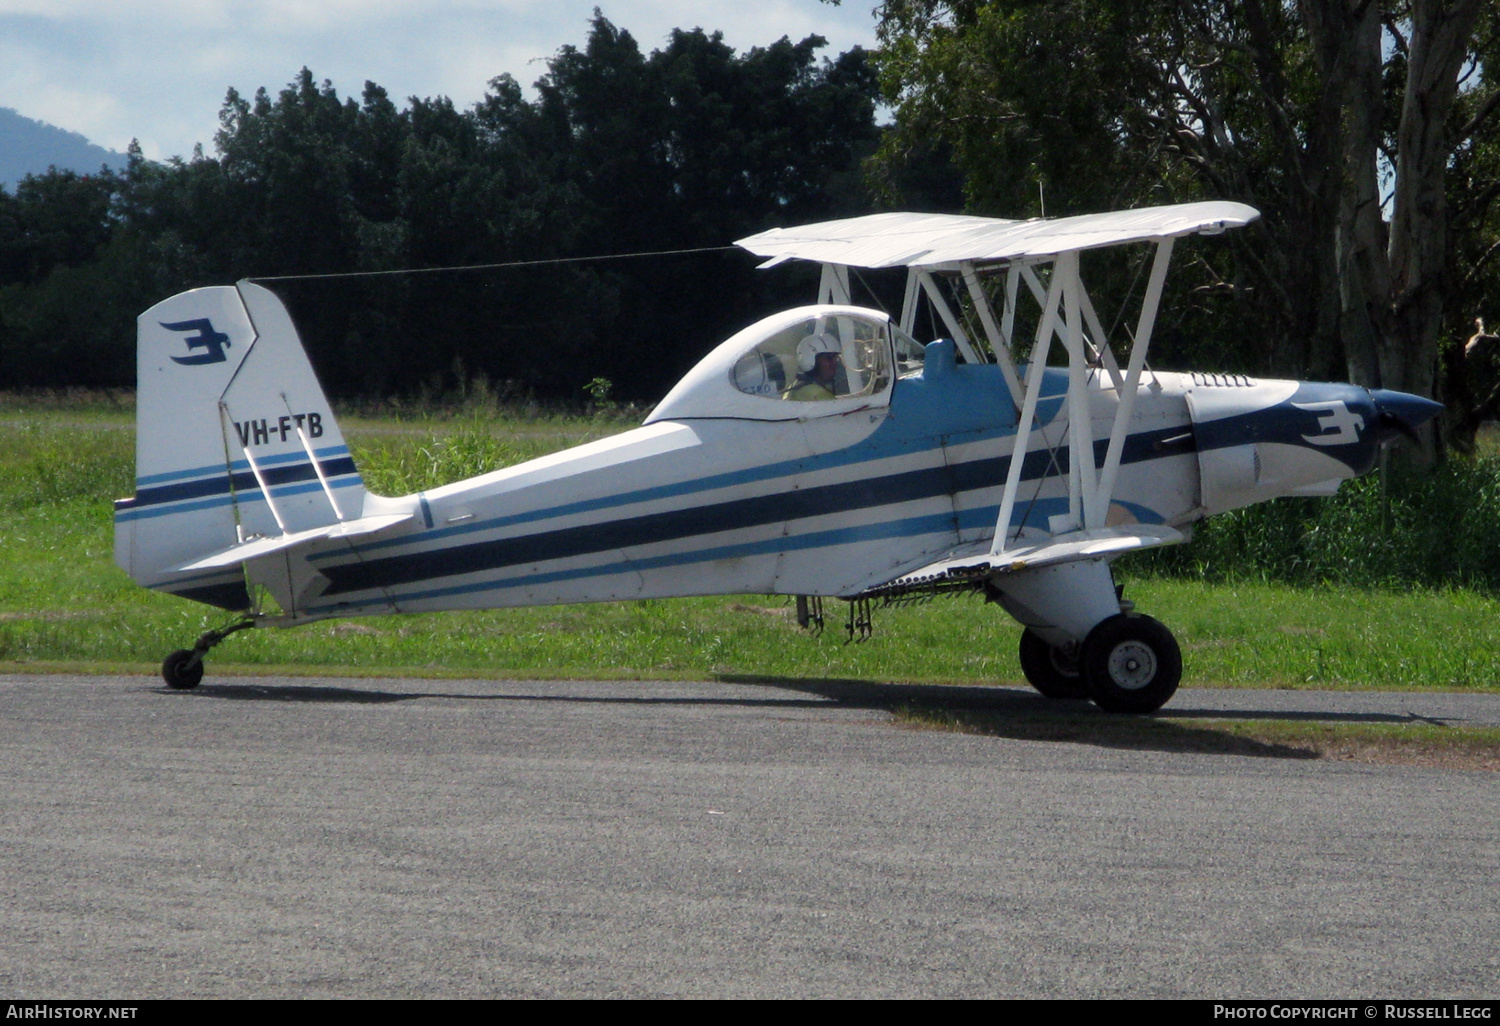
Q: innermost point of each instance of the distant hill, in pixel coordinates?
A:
(30, 147)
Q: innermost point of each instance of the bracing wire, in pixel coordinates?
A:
(491, 267)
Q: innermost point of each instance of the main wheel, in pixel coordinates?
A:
(181, 671)
(1132, 664)
(1052, 671)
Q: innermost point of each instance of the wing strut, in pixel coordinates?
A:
(1084, 484)
(909, 303)
(999, 340)
(1034, 375)
(1098, 347)
(935, 297)
(1147, 323)
(1090, 485)
(833, 285)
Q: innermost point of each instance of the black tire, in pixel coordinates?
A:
(181, 671)
(1132, 664)
(1050, 670)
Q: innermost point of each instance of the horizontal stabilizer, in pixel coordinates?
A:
(265, 546)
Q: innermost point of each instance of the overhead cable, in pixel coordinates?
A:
(491, 267)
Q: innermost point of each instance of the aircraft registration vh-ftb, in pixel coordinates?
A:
(820, 452)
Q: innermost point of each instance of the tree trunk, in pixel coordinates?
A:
(1420, 263)
(1393, 278)
(1346, 38)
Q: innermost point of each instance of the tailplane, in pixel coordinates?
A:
(238, 455)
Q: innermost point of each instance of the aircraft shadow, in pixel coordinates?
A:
(1088, 726)
(844, 691)
(301, 693)
(998, 712)
(325, 694)
(1027, 716)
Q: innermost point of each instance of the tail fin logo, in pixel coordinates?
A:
(207, 339)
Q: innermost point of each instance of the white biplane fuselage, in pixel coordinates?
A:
(911, 467)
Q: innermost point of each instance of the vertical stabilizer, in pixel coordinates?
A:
(235, 441)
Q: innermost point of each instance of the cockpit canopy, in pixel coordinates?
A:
(812, 361)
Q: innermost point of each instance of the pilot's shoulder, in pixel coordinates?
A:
(807, 391)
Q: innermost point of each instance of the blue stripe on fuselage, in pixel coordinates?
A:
(924, 416)
(922, 419)
(910, 527)
(793, 504)
(931, 524)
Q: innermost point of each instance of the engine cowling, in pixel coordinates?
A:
(1259, 440)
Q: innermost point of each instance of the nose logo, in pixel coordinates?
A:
(1337, 425)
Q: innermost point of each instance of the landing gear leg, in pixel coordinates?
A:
(183, 669)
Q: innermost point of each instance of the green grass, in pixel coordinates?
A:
(63, 603)
(1255, 634)
(115, 407)
(1433, 528)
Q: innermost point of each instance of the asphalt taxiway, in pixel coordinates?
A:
(412, 838)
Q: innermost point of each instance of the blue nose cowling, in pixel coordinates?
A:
(1400, 413)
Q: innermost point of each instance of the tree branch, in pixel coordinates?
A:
(1393, 27)
(1479, 264)
(1485, 110)
(1486, 408)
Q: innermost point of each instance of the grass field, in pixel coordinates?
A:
(64, 605)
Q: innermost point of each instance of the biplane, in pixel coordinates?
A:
(821, 452)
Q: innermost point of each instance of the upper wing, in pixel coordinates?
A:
(926, 240)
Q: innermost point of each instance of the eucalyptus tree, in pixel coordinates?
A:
(1357, 127)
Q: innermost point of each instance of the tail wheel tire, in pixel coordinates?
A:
(181, 671)
(1051, 670)
(1132, 664)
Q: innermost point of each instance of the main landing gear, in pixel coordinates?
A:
(1053, 671)
(1128, 663)
(183, 669)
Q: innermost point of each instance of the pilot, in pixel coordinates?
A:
(818, 361)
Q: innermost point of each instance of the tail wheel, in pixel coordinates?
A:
(182, 669)
(1051, 670)
(1132, 664)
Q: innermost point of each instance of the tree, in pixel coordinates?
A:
(618, 151)
(691, 146)
(1394, 275)
(59, 218)
(55, 234)
(1304, 110)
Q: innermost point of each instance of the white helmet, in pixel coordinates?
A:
(809, 349)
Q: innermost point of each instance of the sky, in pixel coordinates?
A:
(157, 70)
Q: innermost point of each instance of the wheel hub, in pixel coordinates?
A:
(1132, 665)
(1065, 662)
